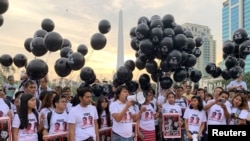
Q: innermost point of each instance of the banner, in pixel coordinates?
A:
(5, 129)
(56, 137)
(170, 125)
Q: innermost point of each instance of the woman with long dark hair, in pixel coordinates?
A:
(102, 106)
(25, 123)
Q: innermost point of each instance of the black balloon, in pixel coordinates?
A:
(82, 49)
(97, 89)
(166, 45)
(65, 52)
(139, 63)
(62, 68)
(20, 60)
(142, 31)
(189, 34)
(235, 72)
(195, 75)
(37, 69)
(66, 43)
(27, 43)
(240, 35)
(225, 74)
(107, 89)
(191, 61)
(40, 33)
(76, 61)
(130, 64)
(143, 19)
(157, 75)
(210, 68)
(174, 58)
(48, 25)
(168, 21)
(156, 34)
(217, 72)
(189, 46)
(165, 66)
(87, 74)
(178, 29)
(245, 48)
(98, 41)
(116, 81)
(197, 52)
(37, 47)
(228, 47)
(132, 32)
(124, 74)
(146, 46)
(156, 23)
(4, 6)
(132, 86)
(241, 62)
(6, 60)
(1, 20)
(166, 82)
(144, 79)
(168, 32)
(198, 41)
(180, 75)
(104, 26)
(135, 43)
(53, 41)
(151, 67)
(180, 41)
(230, 62)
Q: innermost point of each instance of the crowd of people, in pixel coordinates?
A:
(36, 111)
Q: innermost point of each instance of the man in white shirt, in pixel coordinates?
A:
(123, 115)
(237, 84)
(77, 130)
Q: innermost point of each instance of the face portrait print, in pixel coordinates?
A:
(64, 126)
(191, 120)
(84, 122)
(146, 115)
(90, 120)
(213, 116)
(57, 127)
(219, 116)
(197, 120)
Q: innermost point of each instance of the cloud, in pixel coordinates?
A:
(77, 20)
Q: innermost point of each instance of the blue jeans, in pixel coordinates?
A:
(116, 137)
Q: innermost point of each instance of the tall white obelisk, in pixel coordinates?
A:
(120, 51)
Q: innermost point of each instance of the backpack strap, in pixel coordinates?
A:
(49, 116)
(8, 103)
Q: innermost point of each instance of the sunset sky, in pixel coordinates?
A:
(77, 20)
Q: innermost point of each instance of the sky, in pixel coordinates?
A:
(77, 20)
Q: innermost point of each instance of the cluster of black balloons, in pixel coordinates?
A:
(20, 60)
(45, 40)
(98, 40)
(4, 6)
(235, 52)
(175, 47)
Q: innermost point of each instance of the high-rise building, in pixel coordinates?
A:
(120, 51)
(208, 49)
(236, 14)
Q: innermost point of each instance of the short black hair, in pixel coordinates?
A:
(81, 91)
(119, 89)
(224, 92)
(57, 98)
(200, 89)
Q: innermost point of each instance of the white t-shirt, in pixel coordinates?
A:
(83, 118)
(104, 120)
(124, 127)
(4, 108)
(58, 123)
(29, 133)
(169, 108)
(248, 104)
(147, 121)
(45, 111)
(242, 115)
(195, 119)
(216, 115)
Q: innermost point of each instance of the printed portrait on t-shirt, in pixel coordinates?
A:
(35, 126)
(147, 116)
(84, 122)
(197, 120)
(219, 116)
(1, 113)
(129, 116)
(152, 114)
(28, 128)
(57, 127)
(213, 116)
(90, 120)
(191, 120)
(64, 126)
